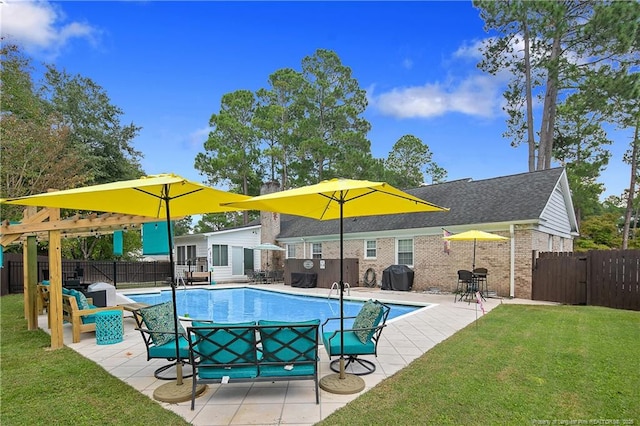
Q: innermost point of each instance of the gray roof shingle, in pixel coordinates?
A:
(511, 198)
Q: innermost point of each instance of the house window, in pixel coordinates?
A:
(405, 252)
(220, 255)
(186, 253)
(370, 249)
(291, 251)
(316, 251)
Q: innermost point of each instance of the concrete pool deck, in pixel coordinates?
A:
(403, 340)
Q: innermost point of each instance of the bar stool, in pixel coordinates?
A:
(481, 278)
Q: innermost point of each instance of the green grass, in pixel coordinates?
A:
(39, 386)
(518, 365)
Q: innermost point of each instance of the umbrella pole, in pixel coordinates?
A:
(342, 383)
(173, 289)
(341, 297)
(174, 392)
(473, 265)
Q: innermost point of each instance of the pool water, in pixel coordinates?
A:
(248, 304)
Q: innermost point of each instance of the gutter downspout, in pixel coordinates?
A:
(512, 262)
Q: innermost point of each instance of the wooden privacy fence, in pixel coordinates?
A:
(599, 277)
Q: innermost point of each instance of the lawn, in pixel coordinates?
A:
(40, 386)
(519, 365)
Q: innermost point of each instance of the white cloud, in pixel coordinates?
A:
(198, 137)
(39, 26)
(407, 64)
(470, 50)
(476, 95)
(467, 91)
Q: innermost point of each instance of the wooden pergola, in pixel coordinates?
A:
(46, 224)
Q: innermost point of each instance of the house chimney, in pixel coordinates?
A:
(270, 222)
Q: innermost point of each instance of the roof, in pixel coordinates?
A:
(514, 198)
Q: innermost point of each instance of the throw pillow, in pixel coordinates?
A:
(83, 303)
(160, 317)
(368, 318)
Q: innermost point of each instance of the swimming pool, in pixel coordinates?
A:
(249, 304)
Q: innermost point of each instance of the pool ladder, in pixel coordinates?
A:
(181, 281)
(336, 286)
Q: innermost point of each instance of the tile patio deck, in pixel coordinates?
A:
(404, 340)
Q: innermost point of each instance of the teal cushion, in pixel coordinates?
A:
(352, 344)
(160, 318)
(45, 282)
(289, 344)
(83, 303)
(88, 319)
(66, 291)
(168, 350)
(244, 372)
(368, 318)
(279, 370)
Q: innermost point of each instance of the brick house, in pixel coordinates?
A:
(533, 209)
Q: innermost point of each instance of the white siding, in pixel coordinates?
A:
(244, 237)
(555, 216)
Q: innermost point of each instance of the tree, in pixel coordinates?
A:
(562, 42)
(96, 131)
(36, 153)
(232, 151)
(580, 146)
(409, 160)
(331, 137)
(598, 233)
(182, 226)
(210, 222)
(277, 117)
(60, 133)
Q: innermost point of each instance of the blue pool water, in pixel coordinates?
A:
(248, 304)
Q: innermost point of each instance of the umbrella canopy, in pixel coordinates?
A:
(337, 199)
(164, 196)
(475, 236)
(147, 196)
(268, 246)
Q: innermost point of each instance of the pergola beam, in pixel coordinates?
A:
(47, 225)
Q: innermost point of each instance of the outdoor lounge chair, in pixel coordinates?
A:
(155, 324)
(361, 339)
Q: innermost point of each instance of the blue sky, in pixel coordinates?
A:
(168, 64)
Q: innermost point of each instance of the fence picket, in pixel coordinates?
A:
(600, 277)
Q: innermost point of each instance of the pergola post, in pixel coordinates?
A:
(55, 283)
(30, 250)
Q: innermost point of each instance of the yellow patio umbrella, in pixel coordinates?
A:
(475, 236)
(337, 199)
(163, 196)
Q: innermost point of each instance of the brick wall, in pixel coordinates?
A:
(435, 269)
